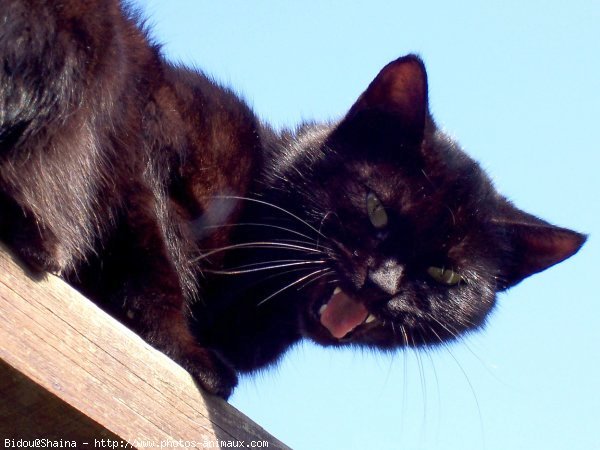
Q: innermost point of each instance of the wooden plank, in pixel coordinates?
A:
(27, 410)
(81, 366)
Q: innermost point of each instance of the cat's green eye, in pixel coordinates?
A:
(444, 276)
(376, 211)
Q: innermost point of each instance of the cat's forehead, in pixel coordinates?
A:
(442, 167)
(385, 176)
(446, 186)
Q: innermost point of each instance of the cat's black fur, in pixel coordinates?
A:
(160, 195)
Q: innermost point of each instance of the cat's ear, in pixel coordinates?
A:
(400, 89)
(531, 244)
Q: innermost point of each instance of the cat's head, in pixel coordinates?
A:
(416, 242)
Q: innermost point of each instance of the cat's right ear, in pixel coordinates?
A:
(398, 91)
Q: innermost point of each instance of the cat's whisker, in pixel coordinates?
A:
(465, 343)
(278, 274)
(436, 334)
(453, 333)
(421, 369)
(301, 242)
(321, 226)
(304, 243)
(402, 335)
(394, 332)
(428, 179)
(259, 269)
(437, 384)
(258, 245)
(330, 272)
(472, 389)
(463, 322)
(266, 263)
(405, 371)
(464, 373)
(272, 205)
(451, 214)
(290, 285)
(255, 224)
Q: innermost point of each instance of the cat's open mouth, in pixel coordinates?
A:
(341, 314)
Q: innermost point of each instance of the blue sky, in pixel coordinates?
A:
(518, 83)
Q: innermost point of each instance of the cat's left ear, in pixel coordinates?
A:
(531, 244)
(399, 90)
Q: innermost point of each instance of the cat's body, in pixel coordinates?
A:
(161, 196)
(107, 154)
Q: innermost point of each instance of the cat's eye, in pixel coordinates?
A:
(444, 276)
(376, 211)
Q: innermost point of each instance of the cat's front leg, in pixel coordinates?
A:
(36, 246)
(159, 318)
(141, 281)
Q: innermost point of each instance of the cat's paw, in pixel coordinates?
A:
(38, 260)
(38, 254)
(155, 312)
(212, 374)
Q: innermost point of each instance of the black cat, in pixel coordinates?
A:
(162, 197)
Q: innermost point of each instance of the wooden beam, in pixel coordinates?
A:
(71, 373)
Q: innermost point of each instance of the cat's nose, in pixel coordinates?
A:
(387, 276)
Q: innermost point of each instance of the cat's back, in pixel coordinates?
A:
(85, 86)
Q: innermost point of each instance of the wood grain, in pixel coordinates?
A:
(72, 372)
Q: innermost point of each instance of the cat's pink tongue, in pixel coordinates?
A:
(343, 315)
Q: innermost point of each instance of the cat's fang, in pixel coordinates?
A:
(370, 318)
(322, 309)
(337, 290)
